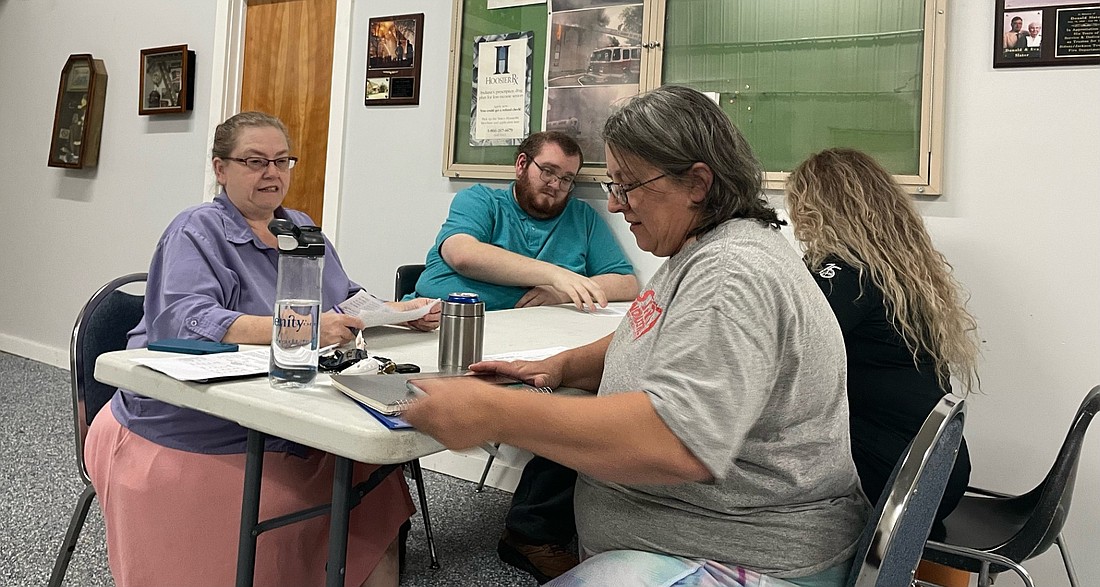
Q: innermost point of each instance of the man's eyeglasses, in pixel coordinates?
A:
(565, 182)
(260, 164)
(619, 191)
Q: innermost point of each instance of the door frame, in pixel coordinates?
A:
(225, 96)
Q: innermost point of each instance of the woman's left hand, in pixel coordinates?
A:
(427, 322)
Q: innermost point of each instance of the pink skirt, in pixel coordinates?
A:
(173, 517)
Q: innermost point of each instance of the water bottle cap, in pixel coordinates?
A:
(304, 241)
(463, 298)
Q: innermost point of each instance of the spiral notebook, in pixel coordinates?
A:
(388, 395)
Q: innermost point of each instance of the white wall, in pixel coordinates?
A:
(66, 232)
(1018, 219)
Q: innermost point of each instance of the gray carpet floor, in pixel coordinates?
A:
(41, 484)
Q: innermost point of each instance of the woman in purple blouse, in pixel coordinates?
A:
(169, 478)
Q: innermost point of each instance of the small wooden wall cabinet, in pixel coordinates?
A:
(78, 118)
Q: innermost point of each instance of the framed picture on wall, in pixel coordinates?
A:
(1042, 33)
(167, 80)
(393, 60)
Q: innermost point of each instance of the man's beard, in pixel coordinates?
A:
(535, 204)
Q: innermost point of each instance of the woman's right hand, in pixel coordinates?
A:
(339, 329)
(545, 373)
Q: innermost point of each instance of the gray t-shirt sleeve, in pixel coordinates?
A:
(713, 406)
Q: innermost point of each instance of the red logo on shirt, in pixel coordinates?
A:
(643, 313)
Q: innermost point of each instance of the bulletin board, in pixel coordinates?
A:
(792, 75)
(474, 19)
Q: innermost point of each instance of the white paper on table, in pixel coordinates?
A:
(528, 355)
(374, 312)
(215, 366)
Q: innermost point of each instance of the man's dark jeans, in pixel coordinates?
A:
(542, 506)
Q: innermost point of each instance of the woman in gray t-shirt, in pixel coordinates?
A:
(716, 449)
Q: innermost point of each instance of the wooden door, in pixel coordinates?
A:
(287, 72)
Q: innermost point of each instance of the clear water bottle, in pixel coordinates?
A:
(296, 328)
(461, 331)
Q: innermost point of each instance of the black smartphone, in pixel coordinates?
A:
(192, 346)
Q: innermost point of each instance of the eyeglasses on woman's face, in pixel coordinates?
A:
(566, 183)
(619, 191)
(260, 163)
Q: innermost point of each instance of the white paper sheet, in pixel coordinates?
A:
(616, 311)
(374, 312)
(217, 365)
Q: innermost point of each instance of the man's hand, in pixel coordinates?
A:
(339, 329)
(586, 295)
(542, 295)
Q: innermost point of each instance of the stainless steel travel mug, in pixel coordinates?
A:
(461, 331)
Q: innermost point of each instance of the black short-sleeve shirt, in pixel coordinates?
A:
(889, 395)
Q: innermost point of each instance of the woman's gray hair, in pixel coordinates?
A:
(225, 136)
(675, 127)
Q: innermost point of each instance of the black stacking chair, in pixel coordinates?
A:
(991, 532)
(890, 547)
(405, 283)
(405, 280)
(100, 327)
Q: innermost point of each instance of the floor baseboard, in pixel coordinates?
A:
(35, 351)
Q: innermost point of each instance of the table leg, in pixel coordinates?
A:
(338, 523)
(250, 509)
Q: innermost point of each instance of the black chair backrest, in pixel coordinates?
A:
(891, 545)
(405, 281)
(1049, 501)
(100, 327)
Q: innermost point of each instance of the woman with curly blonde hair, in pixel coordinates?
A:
(905, 324)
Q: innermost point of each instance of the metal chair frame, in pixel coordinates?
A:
(81, 417)
(891, 542)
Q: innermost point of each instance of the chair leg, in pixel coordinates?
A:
(485, 471)
(983, 575)
(76, 524)
(1061, 542)
(418, 476)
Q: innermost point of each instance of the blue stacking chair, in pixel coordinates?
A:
(101, 326)
(891, 545)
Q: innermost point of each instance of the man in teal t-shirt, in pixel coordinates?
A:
(530, 244)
